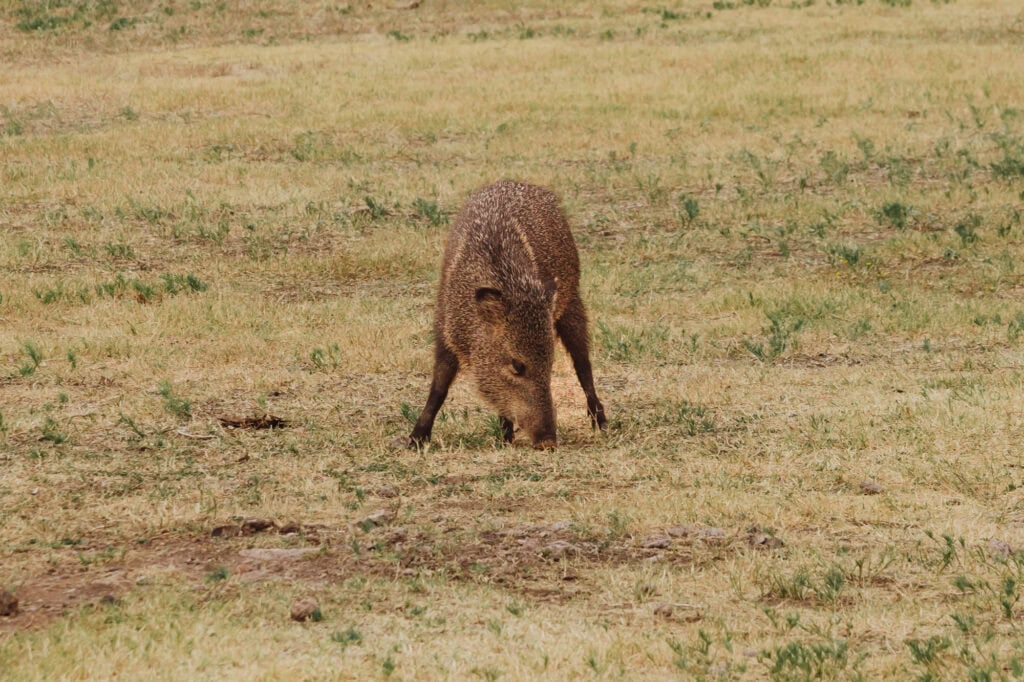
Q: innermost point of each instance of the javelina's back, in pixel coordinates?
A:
(510, 236)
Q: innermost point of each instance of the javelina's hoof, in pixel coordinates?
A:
(546, 444)
(405, 443)
(597, 417)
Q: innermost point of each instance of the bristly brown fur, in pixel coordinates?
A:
(509, 285)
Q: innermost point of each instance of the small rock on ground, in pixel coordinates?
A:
(869, 487)
(257, 525)
(764, 540)
(657, 542)
(396, 535)
(226, 531)
(1000, 548)
(377, 518)
(711, 534)
(681, 531)
(8, 604)
(387, 491)
(305, 609)
(560, 549)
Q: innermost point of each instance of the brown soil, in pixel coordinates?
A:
(541, 561)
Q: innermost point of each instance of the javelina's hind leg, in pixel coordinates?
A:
(507, 430)
(572, 329)
(446, 366)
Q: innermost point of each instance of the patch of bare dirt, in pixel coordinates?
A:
(541, 561)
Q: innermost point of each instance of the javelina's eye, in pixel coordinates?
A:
(518, 368)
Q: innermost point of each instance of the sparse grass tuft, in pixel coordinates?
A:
(623, 344)
(347, 637)
(35, 358)
(895, 214)
(781, 331)
(849, 254)
(52, 433)
(218, 574)
(429, 211)
(689, 209)
(175, 405)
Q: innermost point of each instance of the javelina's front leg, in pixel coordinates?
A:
(446, 366)
(572, 329)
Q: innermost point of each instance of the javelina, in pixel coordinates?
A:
(510, 283)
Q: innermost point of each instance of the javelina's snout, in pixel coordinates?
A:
(540, 424)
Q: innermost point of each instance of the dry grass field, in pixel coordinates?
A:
(800, 226)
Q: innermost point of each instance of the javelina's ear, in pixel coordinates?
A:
(490, 304)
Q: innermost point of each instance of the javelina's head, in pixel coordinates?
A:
(512, 361)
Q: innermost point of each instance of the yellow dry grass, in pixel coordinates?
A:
(799, 225)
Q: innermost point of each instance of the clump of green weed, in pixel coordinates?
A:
(835, 167)
(665, 14)
(146, 292)
(859, 329)
(1015, 327)
(808, 661)
(693, 417)
(895, 213)
(967, 229)
(652, 187)
(73, 246)
(312, 146)
(527, 32)
(11, 126)
(781, 332)
(52, 433)
(430, 212)
(866, 147)
(376, 209)
(1012, 164)
(120, 251)
(850, 254)
(34, 359)
(628, 345)
(130, 423)
(689, 209)
(51, 294)
(325, 359)
(409, 413)
(218, 574)
(618, 525)
(765, 168)
(122, 23)
(177, 406)
(708, 657)
(174, 284)
(347, 637)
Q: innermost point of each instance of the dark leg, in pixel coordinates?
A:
(506, 429)
(572, 329)
(446, 366)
